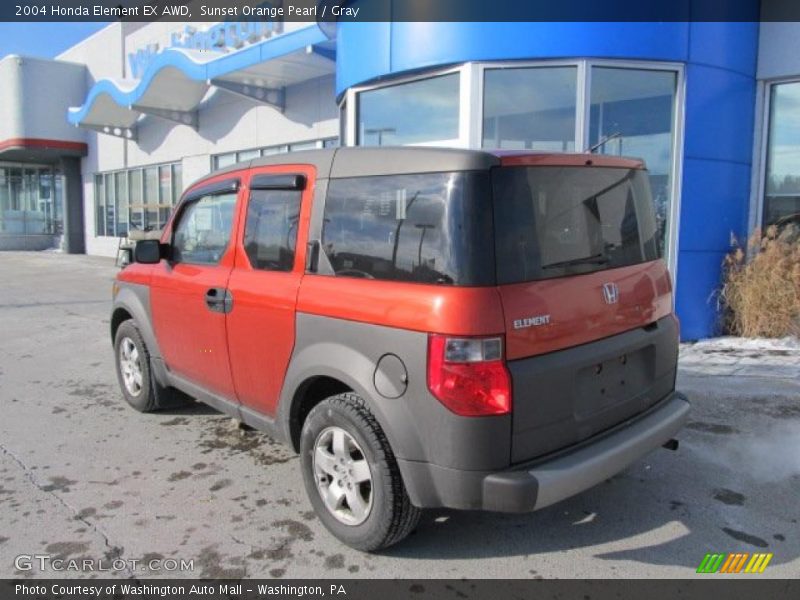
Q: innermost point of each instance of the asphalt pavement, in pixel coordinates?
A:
(85, 478)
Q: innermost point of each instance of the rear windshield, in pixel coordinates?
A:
(557, 221)
(422, 228)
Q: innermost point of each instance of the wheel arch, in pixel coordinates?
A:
(133, 302)
(308, 394)
(344, 369)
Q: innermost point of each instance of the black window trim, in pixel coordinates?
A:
(227, 186)
(278, 181)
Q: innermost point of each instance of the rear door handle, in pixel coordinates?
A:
(219, 300)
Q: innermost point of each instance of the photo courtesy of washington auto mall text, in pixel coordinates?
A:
(206, 590)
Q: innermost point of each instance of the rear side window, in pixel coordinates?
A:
(425, 228)
(557, 221)
(204, 229)
(270, 231)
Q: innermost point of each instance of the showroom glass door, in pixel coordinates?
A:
(30, 200)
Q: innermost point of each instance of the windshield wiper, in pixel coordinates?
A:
(594, 259)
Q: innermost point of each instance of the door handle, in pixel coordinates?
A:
(219, 300)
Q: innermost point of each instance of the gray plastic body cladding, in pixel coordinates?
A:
(550, 481)
(134, 298)
(567, 396)
(418, 427)
(531, 486)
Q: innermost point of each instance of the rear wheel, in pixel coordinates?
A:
(135, 376)
(351, 475)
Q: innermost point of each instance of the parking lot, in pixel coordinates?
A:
(83, 476)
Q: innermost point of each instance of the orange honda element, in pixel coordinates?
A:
(426, 327)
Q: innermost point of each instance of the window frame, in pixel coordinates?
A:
(129, 174)
(758, 193)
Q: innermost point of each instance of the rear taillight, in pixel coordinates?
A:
(469, 375)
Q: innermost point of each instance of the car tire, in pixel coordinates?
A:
(390, 516)
(134, 373)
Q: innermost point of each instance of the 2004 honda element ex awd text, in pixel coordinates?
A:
(426, 327)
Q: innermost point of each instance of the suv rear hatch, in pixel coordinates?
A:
(590, 336)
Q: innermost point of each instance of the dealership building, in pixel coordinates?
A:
(103, 139)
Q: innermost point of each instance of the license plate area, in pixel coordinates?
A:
(613, 381)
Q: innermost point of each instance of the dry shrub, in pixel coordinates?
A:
(761, 289)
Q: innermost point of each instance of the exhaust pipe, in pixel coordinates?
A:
(671, 444)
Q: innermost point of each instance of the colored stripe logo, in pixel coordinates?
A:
(735, 562)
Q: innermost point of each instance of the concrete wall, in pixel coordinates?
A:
(34, 96)
(777, 51)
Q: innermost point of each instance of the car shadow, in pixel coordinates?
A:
(192, 408)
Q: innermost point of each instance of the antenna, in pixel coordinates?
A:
(604, 141)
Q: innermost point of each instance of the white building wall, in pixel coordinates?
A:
(227, 122)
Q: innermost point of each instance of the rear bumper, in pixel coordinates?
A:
(532, 486)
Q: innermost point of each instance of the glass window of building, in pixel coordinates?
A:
(530, 108)
(782, 179)
(248, 155)
(298, 146)
(151, 198)
(419, 112)
(177, 182)
(29, 200)
(135, 198)
(269, 151)
(123, 208)
(224, 160)
(135, 195)
(110, 195)
(100, 205)
(632, 114)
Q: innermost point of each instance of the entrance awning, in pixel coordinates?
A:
(174, 84)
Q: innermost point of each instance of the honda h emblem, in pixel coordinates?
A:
(610, 293)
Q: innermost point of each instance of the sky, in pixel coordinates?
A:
(44, 40)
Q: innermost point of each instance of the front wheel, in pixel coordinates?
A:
(352, 477)
(136, 380)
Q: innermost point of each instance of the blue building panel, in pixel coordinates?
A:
(719, 114)
(401, 47)
(697, 293)
(715, 196)
(732, 46)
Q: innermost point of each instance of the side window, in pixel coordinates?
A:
(270, 232)
(423, 228)
(204, 229)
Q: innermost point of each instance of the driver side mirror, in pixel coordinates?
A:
(149, 252)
